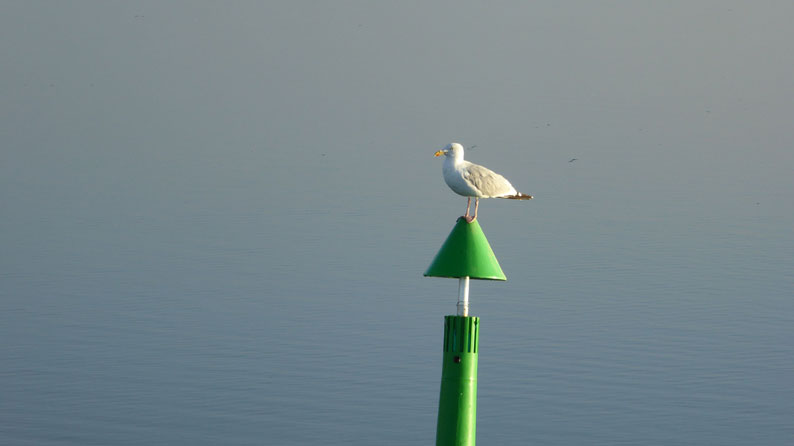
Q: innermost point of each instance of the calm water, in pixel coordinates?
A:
(227, 324)
(215, 222)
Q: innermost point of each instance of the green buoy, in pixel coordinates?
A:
(465, 255)
(457, 402)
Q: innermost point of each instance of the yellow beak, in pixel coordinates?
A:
(439, 153)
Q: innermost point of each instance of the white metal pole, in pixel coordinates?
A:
(463, 296)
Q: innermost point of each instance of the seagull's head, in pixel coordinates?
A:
(453, 150)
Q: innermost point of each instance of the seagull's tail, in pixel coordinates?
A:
(518, 196)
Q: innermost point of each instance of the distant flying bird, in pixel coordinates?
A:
(472, 180)
(573, 159)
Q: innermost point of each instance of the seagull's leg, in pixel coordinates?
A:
(468, 217)
(476, 205)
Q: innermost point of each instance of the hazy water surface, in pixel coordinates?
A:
(215, 221)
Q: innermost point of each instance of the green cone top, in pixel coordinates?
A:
(466, 252)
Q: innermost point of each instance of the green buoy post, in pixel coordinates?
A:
(465, 255)
(457, 404)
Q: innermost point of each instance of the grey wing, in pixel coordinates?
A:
(488, 182)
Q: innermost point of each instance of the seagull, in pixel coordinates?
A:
(472, 180)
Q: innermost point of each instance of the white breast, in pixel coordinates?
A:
(455, 177)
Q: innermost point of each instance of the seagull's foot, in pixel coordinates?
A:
(469, 218)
